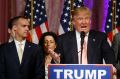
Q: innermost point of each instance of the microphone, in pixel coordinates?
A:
(82, 35)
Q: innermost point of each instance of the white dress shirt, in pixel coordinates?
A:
(17, 43)
(78, 38)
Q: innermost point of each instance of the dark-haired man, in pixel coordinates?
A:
(21, 59)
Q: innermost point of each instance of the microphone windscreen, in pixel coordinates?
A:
(82, 34)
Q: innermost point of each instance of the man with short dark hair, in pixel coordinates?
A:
(21, 59)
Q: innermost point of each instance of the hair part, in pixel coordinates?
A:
(78, 10)
(13, 20)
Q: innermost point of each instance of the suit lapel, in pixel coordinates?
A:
(74, 51)
(26, 53)
(13, 52)
(91, 47)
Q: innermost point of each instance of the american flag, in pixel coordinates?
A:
(113, 19)
(65, 20)
(40, 23)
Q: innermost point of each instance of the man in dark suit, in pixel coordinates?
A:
(21, 59)
(116, 48)
(97, 47)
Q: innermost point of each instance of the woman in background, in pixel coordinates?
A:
(48, 43)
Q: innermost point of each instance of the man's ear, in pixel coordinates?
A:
(9, 31)
(14, 27)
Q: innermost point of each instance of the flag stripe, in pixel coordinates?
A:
(113, 19)
(40, 23)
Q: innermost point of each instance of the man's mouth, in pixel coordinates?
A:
(83, 27)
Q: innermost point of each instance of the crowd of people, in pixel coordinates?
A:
(21, 59)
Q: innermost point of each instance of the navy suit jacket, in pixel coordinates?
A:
(97, 48)
(31, 66)
(116, 48)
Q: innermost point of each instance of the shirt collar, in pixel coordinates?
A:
(78, 34)
(17, 42)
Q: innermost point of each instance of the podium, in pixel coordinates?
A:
(77, 71)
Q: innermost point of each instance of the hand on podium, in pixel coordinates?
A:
(114, 72)
(55, 56)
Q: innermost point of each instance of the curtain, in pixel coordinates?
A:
(9, 9)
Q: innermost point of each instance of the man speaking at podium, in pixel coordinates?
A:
(84, 46)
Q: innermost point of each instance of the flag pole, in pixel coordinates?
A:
(31, 19)
(113, 17)
(71, 10)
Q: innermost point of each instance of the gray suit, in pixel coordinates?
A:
(116, 48)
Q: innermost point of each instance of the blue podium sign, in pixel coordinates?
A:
(76, 71)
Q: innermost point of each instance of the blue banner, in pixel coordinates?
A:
(76, 71)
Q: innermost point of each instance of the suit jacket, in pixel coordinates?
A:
(31, 66)
(116, 48)
(97, 48)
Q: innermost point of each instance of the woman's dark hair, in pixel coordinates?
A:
(41, 42)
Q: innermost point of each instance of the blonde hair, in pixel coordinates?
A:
(76, 11)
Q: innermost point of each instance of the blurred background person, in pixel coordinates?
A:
(116, 48)
(48, 42)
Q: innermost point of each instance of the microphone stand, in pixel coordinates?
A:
(82, 34)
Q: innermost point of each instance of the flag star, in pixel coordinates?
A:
(41, 13)
(69, 2)
(78, 6)
(43, 1)
(109, 20)
(118, 10)
(45, 15)
(110, 14)
(39, 19)
(37, 10)
(68, 8)
(42, 7)
(38, 5)
(68, 28)
(116, 16)
(26, 11)
(66, 14)
(34, 2)
(35, 16)
(28, 5)
(108, 26)
(80, 0)
(64, 21)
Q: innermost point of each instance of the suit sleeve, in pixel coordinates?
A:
(108, 53)
(40, 68)
(59, 48)
(2, 63)
(116, 48)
